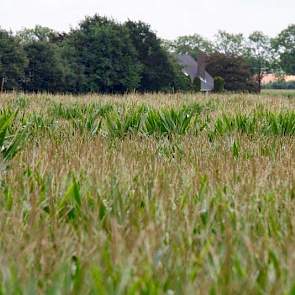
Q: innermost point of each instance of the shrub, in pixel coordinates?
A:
(197, 84)
(181, 82)
(280, 85)
(218, 84)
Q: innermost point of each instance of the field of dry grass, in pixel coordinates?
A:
(148, 194)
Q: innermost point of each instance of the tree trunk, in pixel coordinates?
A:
(259, 79)
(2, 84)
(259, 83)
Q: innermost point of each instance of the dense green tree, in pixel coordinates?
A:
(197, 84)
(43, 72)
(234, 70)
(12, 61)
(218, 84)
(44, 69)
(285, 46)
(74, 74)
(157, 71)
(104, 56)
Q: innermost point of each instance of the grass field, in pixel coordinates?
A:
(147, 194)
(288, 93)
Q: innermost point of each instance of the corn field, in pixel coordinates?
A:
(147, 194)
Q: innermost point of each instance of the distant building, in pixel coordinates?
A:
(193, 69)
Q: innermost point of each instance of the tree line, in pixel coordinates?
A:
(102, 55)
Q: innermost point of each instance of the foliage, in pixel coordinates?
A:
(151, 122)
(218, 84)
(43, 72)
(284, 43)
(233, 69)
(37, 34)
(266, 123)
(12, 61)
(102, 55)
(229, 44)
(192, 44)
(157, 72)
(10, 143)
(180, 82)
(280, 85)
(197, 84)
(259, 55)
(106, 55)
(144, 120)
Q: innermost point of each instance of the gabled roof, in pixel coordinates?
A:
(190, 68)
(189, 65)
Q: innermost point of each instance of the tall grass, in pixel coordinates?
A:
(10, 142)
(153, 194)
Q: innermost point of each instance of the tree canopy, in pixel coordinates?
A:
(259, 55)
(235, 71)
(104, 51)
(102, 55)
(157, 71)
(285, 46)
(230, 44)
(191, 44)
(12, 61)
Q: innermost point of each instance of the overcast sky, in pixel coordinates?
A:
(169, 18)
